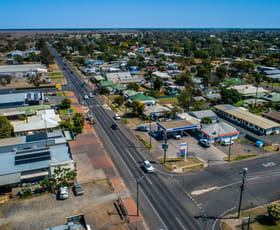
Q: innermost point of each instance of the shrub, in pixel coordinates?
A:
(274, 211)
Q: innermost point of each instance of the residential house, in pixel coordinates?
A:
(250, 121)
(248, 91)
(163, 75)
(272, 115)
(147, 100)
(124, 78)
(155, 111)
(218, 131)
(33, 158)
(271, 97)
(204, 113)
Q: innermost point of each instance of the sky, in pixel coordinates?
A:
(21, 14)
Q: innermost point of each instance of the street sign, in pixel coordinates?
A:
(58, 86)
(164, 146)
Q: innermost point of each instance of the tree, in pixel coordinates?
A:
(138, 107)
(133, 86)
(230, 96)
(153, 93)
(18, 59)
(274, 211)
(158, 83)
(119, 100)
(185, 79)
(80, 60)
(78, 121)
(185, 98)
(6, 79)
(6, 129)
(66, 103)
(206, 120)
(35, 80)
(221, 72)
(105, 90)
(21, 46)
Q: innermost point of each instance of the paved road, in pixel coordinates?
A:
(162, 203)
(165, 198)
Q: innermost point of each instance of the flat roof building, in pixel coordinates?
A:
(248, 120)
(33, 158)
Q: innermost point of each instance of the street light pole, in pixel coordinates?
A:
(137, 193)
(165, 146)
(245, 170)
(229, 149)
(150, 130)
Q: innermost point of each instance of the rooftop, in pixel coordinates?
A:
(19, 68)
(176, 125)
(219, 129)
(203, 113)
(142, 97)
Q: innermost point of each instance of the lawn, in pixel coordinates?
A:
(64, 112)
(259, 221)
(54, 74)
(144, 142)
(171, 100)
(175, 163)
(240, 157)
(55, 78)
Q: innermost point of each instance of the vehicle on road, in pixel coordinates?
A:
(227, 142)
(63, 193)
(176, 136)
(148, 167)
(117, 117)
(78, 190)
(142, 128)
(86, 97)
(114, 126)
(205, 143)
(71, 71)
(90, 95)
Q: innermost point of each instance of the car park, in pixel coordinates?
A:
(142, 128)
(176, 136)
(148, 167)
(78, 190)
(117, 117)
(63, 193)
(114, 126)
(205, 143)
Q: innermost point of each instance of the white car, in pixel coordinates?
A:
(63, 193)
(227, 142)
(117, 117)
(148, 167)
(86, 97)
(90, 95)
(205, 142)
(176, 136)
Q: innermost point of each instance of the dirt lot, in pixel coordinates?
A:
(46, 211)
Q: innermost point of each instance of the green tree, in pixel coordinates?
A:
(153, 93)
(185, 79)
(158, 83)
(18, 59)
(21, 46)
(206, 120)
(105, 90)
(35, 80)
(133, 86)
(221, 72)
(230, 96)
(66, 103)
(274, 211)
(185, 98)
(6, 129)
(78, 121)
(138, 107)
(119, 100)
(80, 60)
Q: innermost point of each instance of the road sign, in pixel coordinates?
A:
(164, 146)
(70, 111)
(58, 86)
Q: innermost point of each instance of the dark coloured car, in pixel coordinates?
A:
(154, 133)
(142, 128)
(114, 126)
(78, 190)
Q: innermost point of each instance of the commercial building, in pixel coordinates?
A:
(204, 113)
(218, 132)
(33, 158)
(21, 99)
(250, 121)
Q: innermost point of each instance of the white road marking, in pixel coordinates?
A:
(202, 191)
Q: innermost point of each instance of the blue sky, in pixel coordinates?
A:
(139, 13)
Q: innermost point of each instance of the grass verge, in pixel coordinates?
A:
(112, 107)
(240, 157)
(146, 143)
(179, 163)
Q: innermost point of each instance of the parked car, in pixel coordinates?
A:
(86, 97)
(153, 133)
(90, 95)
(205, 142)
(142, 128)
(176, 136)
(227, 142)
(114, 126)
(63, 193)
(148, 167)
(78, 190)
(117, 117)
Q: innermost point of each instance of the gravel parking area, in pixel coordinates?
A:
(46, 211)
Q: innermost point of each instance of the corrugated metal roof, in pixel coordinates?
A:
(19, 68)
(175, 124)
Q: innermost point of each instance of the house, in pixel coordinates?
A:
(44, 120)
(94, 62)
(155, 111)
(147, 100)
(21, 71)
(272, 115)
(213, 96)
(128, 93)
(164, 76)
(204, 113)
(248, 91)
(218, 131)
(124, 78)
(13, 113)
(250, 121)
(171, 65)
(21, 99)
(273, 97)
(33, 158)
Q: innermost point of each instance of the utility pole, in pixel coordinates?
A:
(137, 192)
(165, 146)
(245, 170)
(229, 149)
(150, 130)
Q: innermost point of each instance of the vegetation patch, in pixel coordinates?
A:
(144, 142)
(54, 74)
(179, 163)
(240, 157)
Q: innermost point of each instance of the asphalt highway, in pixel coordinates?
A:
(162, 203)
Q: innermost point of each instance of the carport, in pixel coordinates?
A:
(175, 126)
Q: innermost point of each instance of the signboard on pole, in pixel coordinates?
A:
(70, 111)
(183, 150)
(164, 146)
